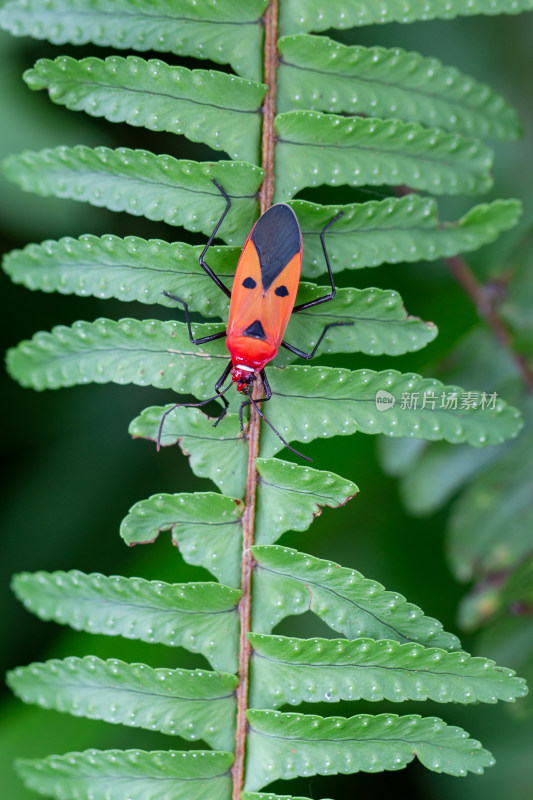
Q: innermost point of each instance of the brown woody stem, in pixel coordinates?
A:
(485, 308)
(270, 21)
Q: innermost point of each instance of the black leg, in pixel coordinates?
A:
(218, 386)
(205, 266)
(331, 295)
(266, 385)
(319, 300)
(268, 395)
(191, 337)
(199, 405)
(300, 353)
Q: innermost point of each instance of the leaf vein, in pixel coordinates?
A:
(381, 151)
(151, 93)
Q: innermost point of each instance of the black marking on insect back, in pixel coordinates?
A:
(277, 239)
(255, 330)
(281, 291)
(249, 283)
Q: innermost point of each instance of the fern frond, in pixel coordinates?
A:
(395, 230)
(320, 74)
(380, 323)
(436, 475)
(128, 269)
(137, 269)
(270, 796)
(491, 522)
(129, 351)
(223, 32)
(290, 582)
(131, 775)
(298, 494)
(289, 745)
(141, 183)
(328, 670)
(193, 704)
(314, 149)
(404, 654)
(391, 230)
(315, 15)
(304, 409)
(207, 528)
(160, 354)
(206, 106)
(201, 617)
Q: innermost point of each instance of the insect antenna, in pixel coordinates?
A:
(193, 405)
(278, 434)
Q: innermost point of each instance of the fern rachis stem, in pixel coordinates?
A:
(486, 310)
(270, 20)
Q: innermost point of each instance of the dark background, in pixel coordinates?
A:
(71, 471)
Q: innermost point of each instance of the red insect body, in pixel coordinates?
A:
(261, 303)
(263, 293)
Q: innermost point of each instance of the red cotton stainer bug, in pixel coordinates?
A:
(261, 303)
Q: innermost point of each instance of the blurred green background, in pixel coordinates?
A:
(71, 471)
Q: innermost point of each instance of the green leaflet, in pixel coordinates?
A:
(131, 775)
(288, 745)
(193, 704)
(491, 522)
(204, 105)
(439, 473)
(128, 269)
(136, 269)
(396, 459)
(395, 230)
(291, 496)
(146, 353)
(311, 402)
(506, 633)
(392, 230)
(320, 74)
(431, 474)
(158, 353)
(315, 15)
(179, 192)
(222, 32)
(476, 357)
(220, 453)
(314, 149)
(207, 528)
(292, 487)
(202, 617)
(290, 582)
(328, 670)
(270, 796)
(380, 323)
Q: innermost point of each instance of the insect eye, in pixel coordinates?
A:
(281, 291)
(249, 283)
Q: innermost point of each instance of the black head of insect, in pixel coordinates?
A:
(244, 377)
